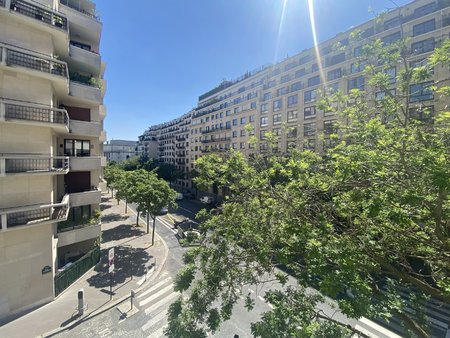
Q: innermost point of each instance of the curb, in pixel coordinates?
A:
(115, 303)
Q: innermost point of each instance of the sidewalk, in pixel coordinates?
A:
(131, 244)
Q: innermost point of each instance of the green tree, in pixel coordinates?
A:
(112, 176)
(365, 222)
(152, 194)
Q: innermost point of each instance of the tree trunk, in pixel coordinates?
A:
(112, 192)
(126, 206)
(153, 234)
(137, 218)
(148, 222)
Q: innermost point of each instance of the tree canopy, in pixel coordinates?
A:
(366, 221)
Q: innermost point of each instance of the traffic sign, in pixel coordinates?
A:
(111, 260)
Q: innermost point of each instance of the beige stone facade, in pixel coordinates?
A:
(282, 98)
(51, 130)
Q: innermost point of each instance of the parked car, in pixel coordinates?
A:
(164, 211)
(206, 199)
(179, 196)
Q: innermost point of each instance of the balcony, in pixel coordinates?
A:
(34, 114)
(89, 60)
(84, 198)
(19, 164)
(34, 214)
(87, 163)
(86, 92)
(39, 13)
(79, 233)
(103, 136)
(85, 128)
(27, 60)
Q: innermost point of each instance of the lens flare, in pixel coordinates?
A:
(316, 43)
(280, 29)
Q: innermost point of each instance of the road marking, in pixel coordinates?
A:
(104, 333)
(154, 287)
(189, 211)
(166, 224)
(154, 320)
(378, 328)
(251, 291)
(261, 298)
(157, 334)
(156, 295)
(162, 302)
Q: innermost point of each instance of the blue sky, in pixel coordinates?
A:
(162, 54)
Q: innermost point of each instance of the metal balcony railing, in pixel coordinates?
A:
(39, 13)
(15, 164)
(17, 57)
(34, 112)
(34, 214)
(78, 9)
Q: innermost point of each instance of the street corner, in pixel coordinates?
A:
(127, 309)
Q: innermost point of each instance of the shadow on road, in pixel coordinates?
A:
(121, 232)
(114, 218)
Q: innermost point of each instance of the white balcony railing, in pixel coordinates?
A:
(85, 128)
(24, 164)
(34, 214)
(85, 92)
(85, 198)
(85, 163)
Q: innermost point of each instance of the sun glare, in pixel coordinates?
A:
(316, 44)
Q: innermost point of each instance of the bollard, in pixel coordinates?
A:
(81, 302)
(132, 296)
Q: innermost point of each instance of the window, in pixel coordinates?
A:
(251, 118)
(233, 145)
(329, 127)
(282, 91)
(242, 132)
(235, 122)
(300, 73)
(424, 114)
(207, 119)
(292, 100)
(237, 110)
(264, 121)
(392, 73)
(221, 114)
(309, 129)
(228, 124)
(394, 22)
(423, 46)
(292, 132)
(290, 65)
(296, 86)
(310, 95)
(243, 120)
(276, 118)
(242, 145)
(334, 74)
(251, 95)
(262, 134)
(304, 59)
(267, 96)
(333, 88)
(309, 112)
(276, 72)
(314, 68)
(276, 131)
(379, 96)
(277, 105)
(285, 78)
(264, 107)
(424, 27)
(368, 33)
(292, 115)
(356, 83)
(228, 113)
(420, 92)
(234, 134)
(358, 67)
(424, 10)
(387, 40)
(77, 148)
(335, 59)
(357, 51)
(270, 84)
(313, 81)
(421, 63)
(253, 105)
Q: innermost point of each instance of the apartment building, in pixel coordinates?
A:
(119, 150)
(171, 140)
(51, 135)
(282, 98)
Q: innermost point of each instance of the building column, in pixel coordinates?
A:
(2, 167)
(4, 220)
(2, 111)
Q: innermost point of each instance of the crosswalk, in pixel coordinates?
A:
(154, 302)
